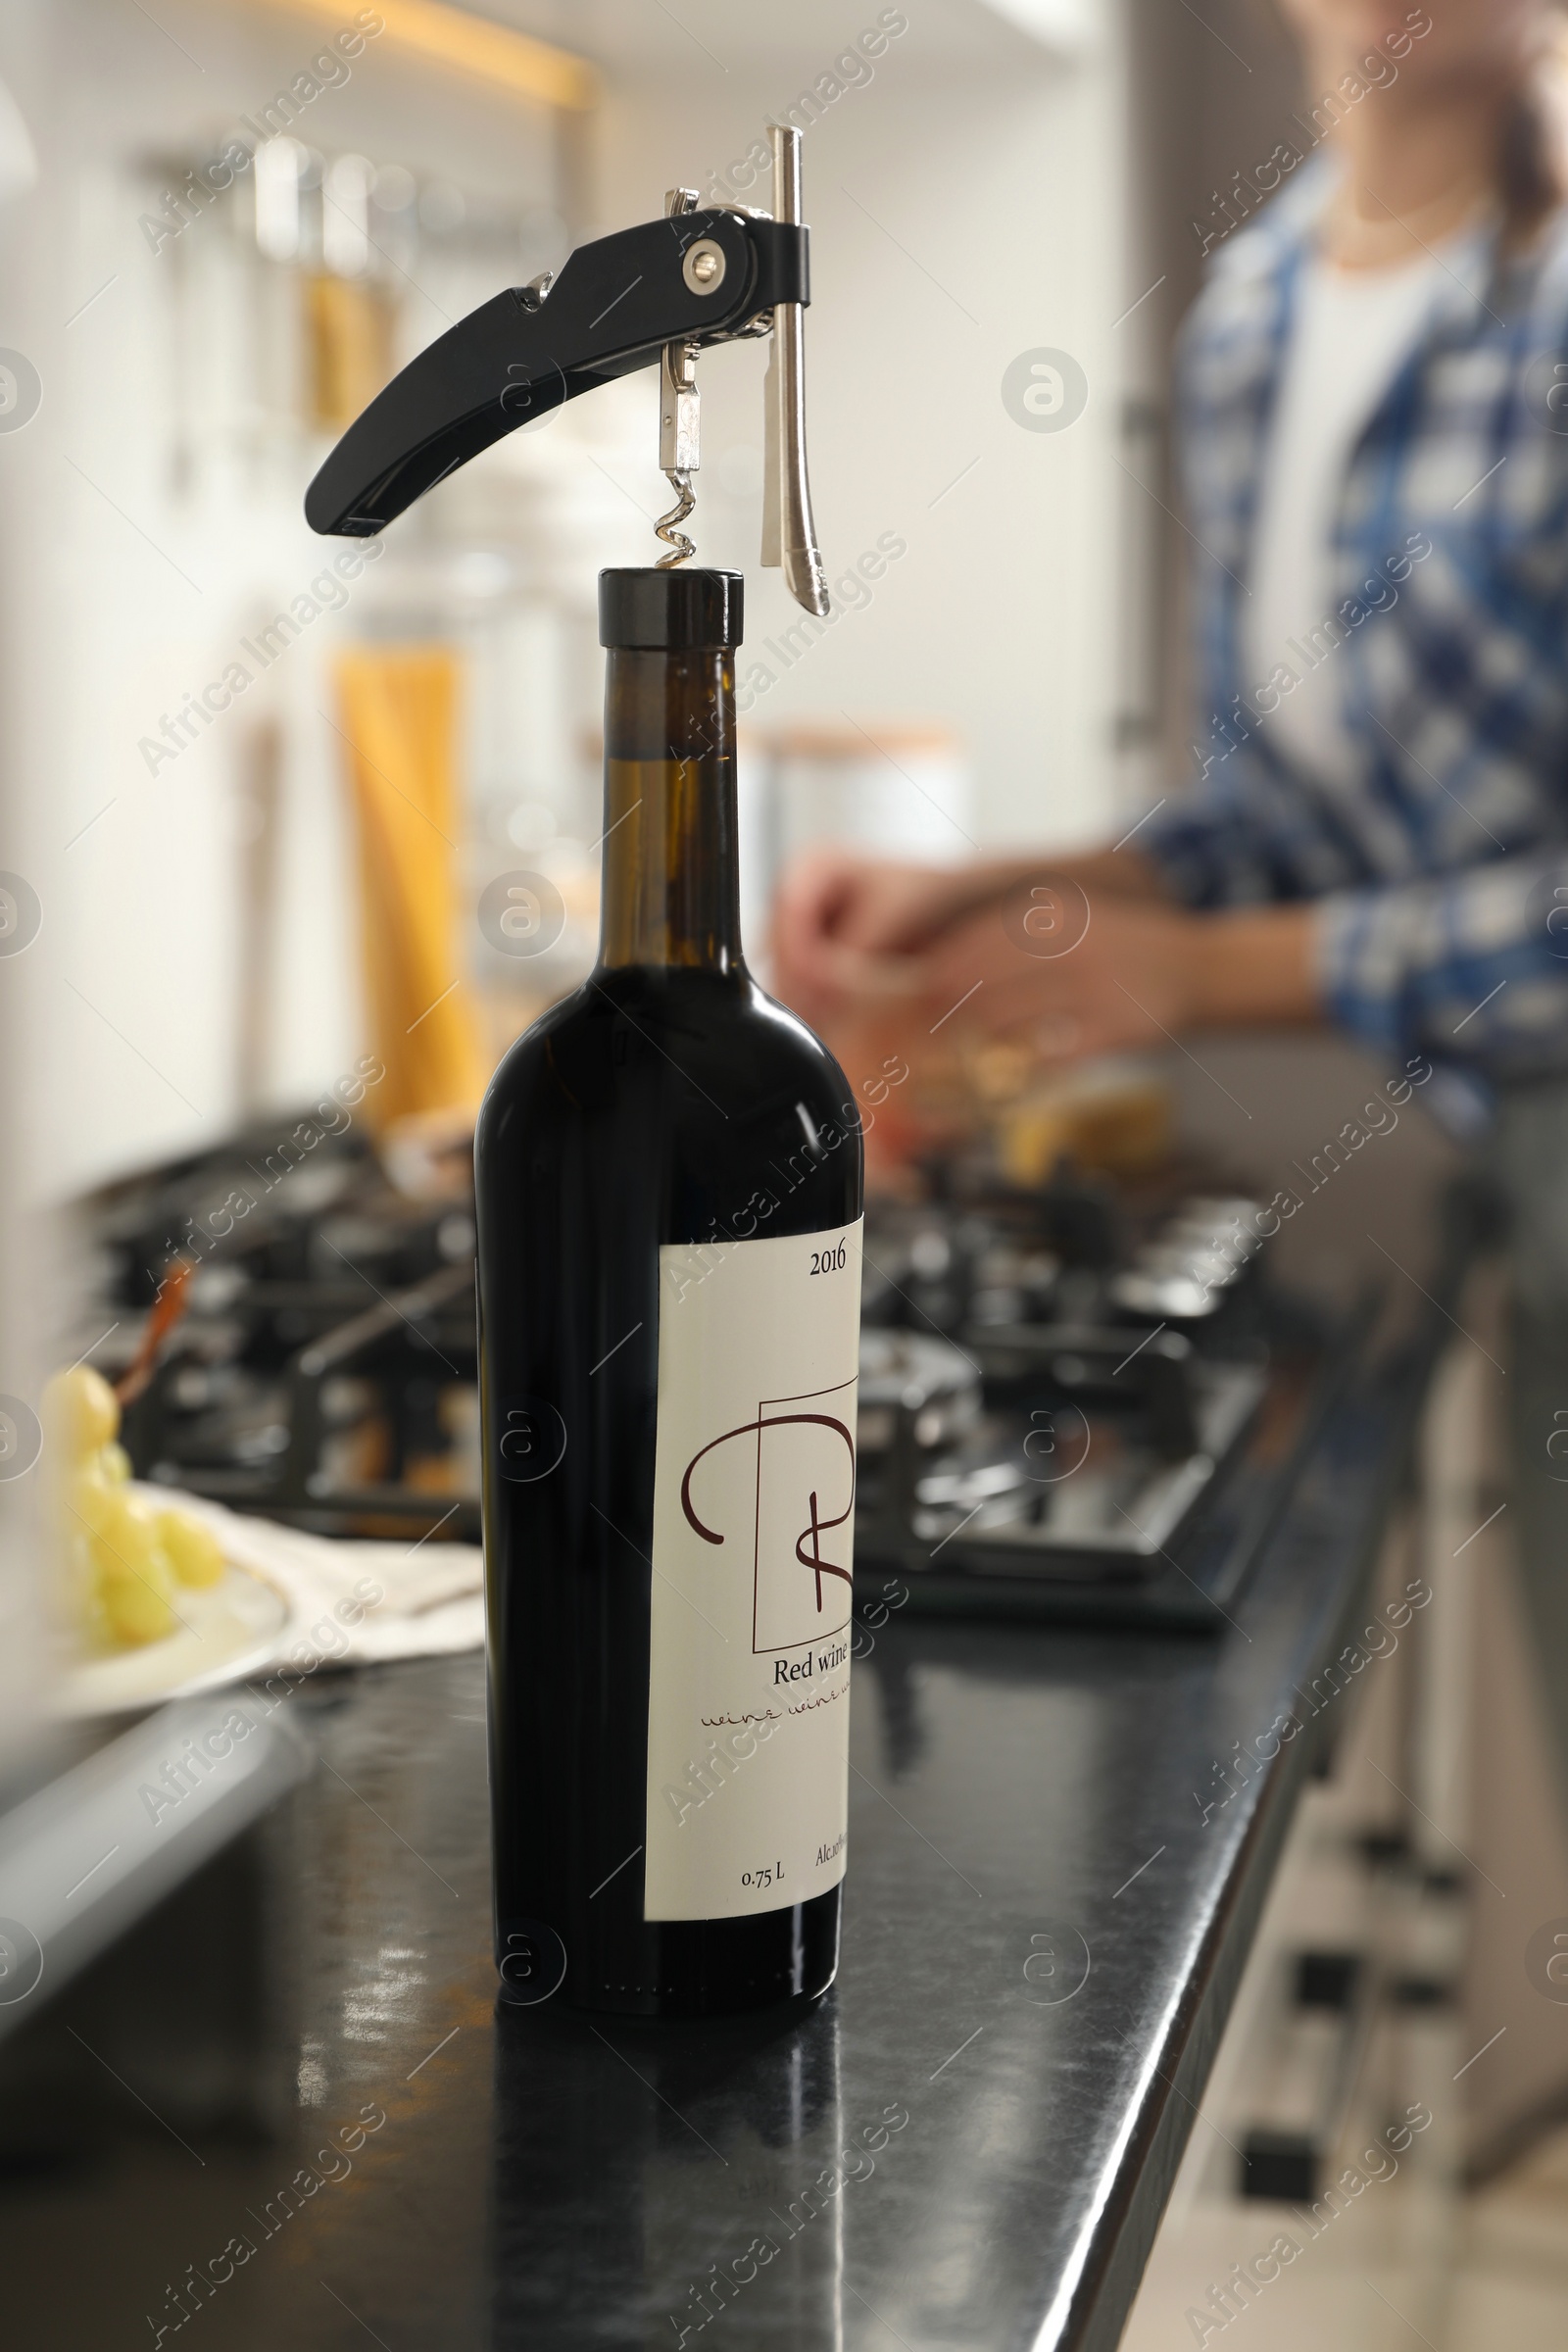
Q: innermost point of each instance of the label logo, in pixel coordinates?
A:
(532, 1965)
(1045, 390)
(20, 391)
(530, 1440)
(21, 1438)
(1056, 1967)
(800, 1488)
(20, 914)
(1048, 917)
(20, 1961)
(1546, 1960)
(523, 914)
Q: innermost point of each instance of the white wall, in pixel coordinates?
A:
(134, 574)
(1000, 182)
(965, 205)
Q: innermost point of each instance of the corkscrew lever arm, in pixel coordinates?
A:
(789, 533)
(706, 277)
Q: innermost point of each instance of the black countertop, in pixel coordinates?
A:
(969, 2142)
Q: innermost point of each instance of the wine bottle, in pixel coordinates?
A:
(668, 1177)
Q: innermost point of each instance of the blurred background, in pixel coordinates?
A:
(224, 891)
(276, 813)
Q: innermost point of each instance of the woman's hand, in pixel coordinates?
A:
(840, 915)
(844, 921)
(1104, 974)
(1074, 957)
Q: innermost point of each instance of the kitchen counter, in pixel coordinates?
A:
(294, 2080)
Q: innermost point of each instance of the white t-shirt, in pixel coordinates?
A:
(1351, 332)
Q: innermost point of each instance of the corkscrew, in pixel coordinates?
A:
(679, 417)
(655, 295)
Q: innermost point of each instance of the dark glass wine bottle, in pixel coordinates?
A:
(668, 1173)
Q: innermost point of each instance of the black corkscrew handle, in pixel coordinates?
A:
(700, 278)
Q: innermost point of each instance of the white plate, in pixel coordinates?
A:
(231, 1630)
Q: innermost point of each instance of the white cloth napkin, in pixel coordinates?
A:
(431, 1594)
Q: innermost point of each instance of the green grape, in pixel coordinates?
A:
(134, 1575)
(194, 1553)
(80, 1412)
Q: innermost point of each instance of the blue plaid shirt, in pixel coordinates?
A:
(1438, 854)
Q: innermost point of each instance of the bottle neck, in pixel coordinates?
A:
(671, 876)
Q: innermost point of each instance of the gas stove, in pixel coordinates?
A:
(324, 1372)
(1079, 1404)
(1074, 1403)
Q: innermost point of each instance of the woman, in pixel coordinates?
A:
(1374, 420)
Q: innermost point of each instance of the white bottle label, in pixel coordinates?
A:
(753, 1527)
